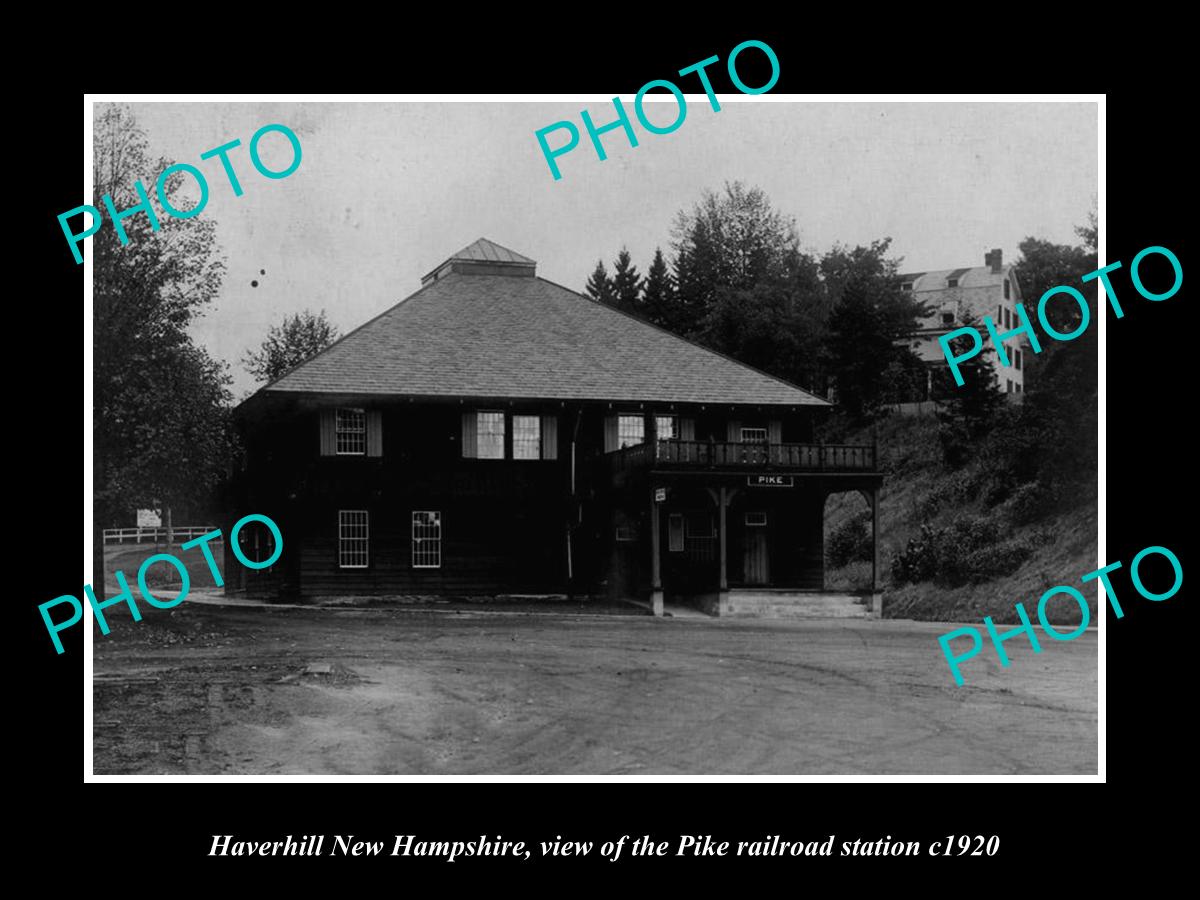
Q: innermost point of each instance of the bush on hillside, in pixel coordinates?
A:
(850, 541)
(968, 551)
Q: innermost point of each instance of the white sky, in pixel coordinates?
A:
(387, 191)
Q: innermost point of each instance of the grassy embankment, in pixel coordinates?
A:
(918, 490)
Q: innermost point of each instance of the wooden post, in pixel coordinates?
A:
(656, 591)
(724, 584)
(876, 593)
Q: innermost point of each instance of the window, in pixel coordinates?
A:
(630, 430)
(426, 540)
(951, 282)
(626, 533)
(1016, 355)
(1008, 318)
(256, 541)
(1007, 290)
(667, 426)
(350, 432)
(756, 519)
(1008, 383)
(700, 525)
(353, 538)
(490, 435)
(675, 533)
(906, 285)
(527, 437)
(754, 435)
(947, 318)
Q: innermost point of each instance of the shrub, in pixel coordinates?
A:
(966, 551)
(850, 541)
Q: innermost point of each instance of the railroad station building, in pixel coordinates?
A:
(495, 433)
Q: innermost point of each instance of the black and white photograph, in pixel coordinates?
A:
(503, 436)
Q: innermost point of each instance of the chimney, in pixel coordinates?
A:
(995, 260)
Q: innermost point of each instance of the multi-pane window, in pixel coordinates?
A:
(527, 437)
(754, 435)
(952, 282)
(350, 430)
(906, 286)
(631, 430)
(353, 538)
(426, 539)
(667, 427)
(675, 533)
(1007, 290)
(756, 519)
(626, 533)
(490, 433)
(1007, 318)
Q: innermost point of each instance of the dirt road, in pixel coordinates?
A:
(209, 689)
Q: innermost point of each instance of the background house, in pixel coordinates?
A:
(959, 296)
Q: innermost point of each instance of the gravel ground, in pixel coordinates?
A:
(212, 689)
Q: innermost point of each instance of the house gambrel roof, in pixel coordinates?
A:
(484, 325)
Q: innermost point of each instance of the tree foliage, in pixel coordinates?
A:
(658, 292)
(298, 337)
(600, 286)
(160, 403)
(967, 412)
(626, 283)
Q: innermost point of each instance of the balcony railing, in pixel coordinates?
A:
(730, 454)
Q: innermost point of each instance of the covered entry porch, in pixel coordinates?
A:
(744, 535)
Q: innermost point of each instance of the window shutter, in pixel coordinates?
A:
(328, 441)
(774, 432)
(734, 434)
(549, 437)
(470, 430)
(687, 429)
(374, 432)
(610, 434)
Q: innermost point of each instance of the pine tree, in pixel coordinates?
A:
(967, 412)
(659, 299)
(600, 286)
(626, 282)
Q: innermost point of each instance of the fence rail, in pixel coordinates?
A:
(156, 535)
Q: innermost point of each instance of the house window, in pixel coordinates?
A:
(490, 435)
(947, 318)
(1008, 318)
(1007, 290)
(527, 437)
(756, 519)
(906, 285)
(1017, 358)
(667, 426)
(426, 540)
(754, 435)
(952, 282)
(1008, 382)
(675, 533)
(353, 538)
(626, 534)
(350, 430)
(631, 430)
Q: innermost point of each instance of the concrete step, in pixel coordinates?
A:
(782, 605)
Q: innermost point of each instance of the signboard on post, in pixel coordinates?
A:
(660, 495)
(770, 481)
